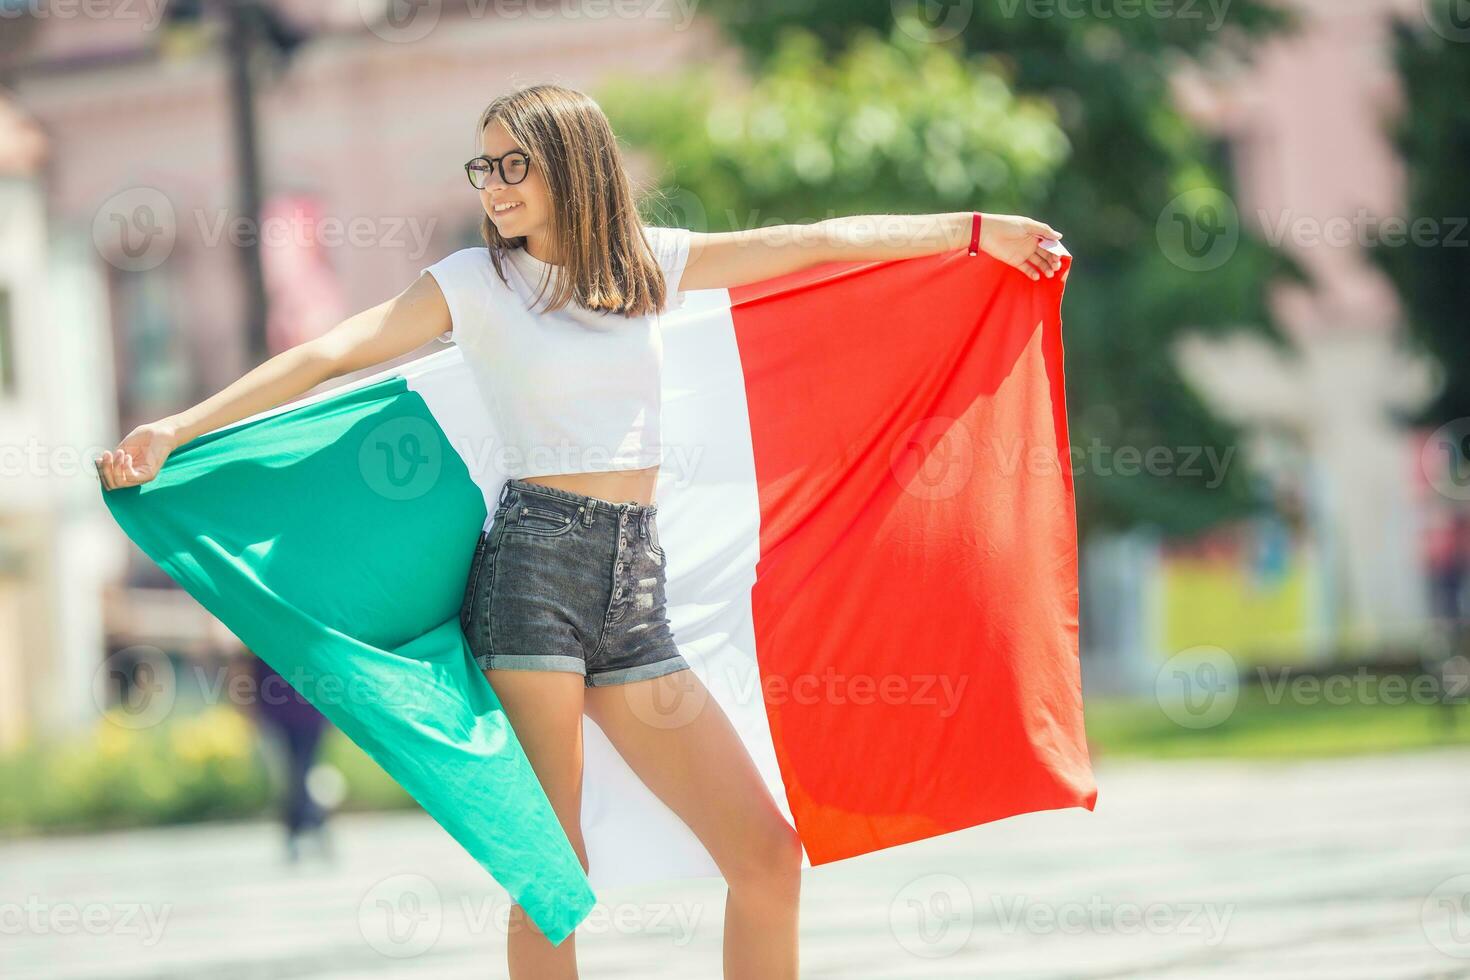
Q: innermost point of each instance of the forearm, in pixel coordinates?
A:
(280, 379)
(878, 237)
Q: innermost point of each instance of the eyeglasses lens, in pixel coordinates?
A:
(513, 168)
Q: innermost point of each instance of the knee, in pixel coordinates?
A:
(568, 815)
(770, 866)
(580, 846)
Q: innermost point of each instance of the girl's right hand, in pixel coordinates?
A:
(139, 457)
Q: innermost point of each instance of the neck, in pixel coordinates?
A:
(538, 248)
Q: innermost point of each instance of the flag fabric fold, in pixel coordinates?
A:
(867, 509)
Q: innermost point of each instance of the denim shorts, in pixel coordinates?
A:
(564, 581)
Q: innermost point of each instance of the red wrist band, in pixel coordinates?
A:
(975, 234)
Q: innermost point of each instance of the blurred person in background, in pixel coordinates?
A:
(1447, 566)
(296, 728)
(1448, 558)
(560, 212)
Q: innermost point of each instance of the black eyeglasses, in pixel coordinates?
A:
(513, 168)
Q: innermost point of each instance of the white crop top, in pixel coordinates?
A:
(571, 391)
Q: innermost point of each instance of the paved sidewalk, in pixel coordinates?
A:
(1341, 869)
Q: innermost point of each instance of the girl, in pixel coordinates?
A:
(557, 317)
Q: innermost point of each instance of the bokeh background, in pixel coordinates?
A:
(1267, 353)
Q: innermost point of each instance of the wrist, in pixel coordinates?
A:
(174, 427)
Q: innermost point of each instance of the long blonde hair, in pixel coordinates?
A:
(606, 263)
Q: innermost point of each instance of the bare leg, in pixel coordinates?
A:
(545, 709)
(679, 741)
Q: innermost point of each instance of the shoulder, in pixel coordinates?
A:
(671, 249)
(463, 277)
(466, 261)
(667, 242)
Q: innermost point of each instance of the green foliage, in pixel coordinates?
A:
(1263, 727)
(193, 768)
(202, 766)
(884, 126)
(1066, 118)
(1433, 137)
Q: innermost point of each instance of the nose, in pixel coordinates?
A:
(494, 179)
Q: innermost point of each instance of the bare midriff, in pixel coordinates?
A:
(618, 486)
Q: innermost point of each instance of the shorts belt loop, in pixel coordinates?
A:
(588, 509)
(504, 491)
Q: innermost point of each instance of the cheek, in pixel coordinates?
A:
(539, 198)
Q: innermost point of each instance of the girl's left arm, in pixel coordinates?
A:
(733, 258)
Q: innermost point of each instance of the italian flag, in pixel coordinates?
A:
(867, 507)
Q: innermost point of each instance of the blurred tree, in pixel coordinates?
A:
(1065, 117)
(880, 127)
(1430, 272)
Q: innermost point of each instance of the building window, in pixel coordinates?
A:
(154, 374)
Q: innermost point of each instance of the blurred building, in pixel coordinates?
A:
(121, 297)
(56, 548)
(120, 282)
(1337, 572)
(1308, 125)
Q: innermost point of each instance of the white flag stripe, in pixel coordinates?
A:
(709, 524)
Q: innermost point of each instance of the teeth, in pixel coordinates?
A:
(506, 207)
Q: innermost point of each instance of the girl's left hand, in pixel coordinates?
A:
(1017, 241)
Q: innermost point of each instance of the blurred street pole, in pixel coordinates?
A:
(245, 24)
(240, 46)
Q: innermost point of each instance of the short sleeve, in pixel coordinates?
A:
(463, 279)
(671, 249)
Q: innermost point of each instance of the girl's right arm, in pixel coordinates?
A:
(412, 318)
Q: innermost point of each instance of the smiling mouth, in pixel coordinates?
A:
(506, 209)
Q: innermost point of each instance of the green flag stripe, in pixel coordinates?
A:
(251, 520)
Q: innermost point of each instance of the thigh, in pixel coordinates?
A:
(545, 709)
(683, 746)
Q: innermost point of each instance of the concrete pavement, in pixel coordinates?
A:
(1342, 869)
